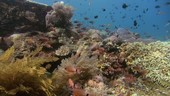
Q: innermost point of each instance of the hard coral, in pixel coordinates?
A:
(152, 57)
(60, 16)
(63, 51)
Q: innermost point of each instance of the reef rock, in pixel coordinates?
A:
(20, 16)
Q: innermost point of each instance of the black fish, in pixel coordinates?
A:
(96, 17)
(167, 3)
(76, 21)
(139, 16)
(103, 9)
(124, 6)
(79, 24)
(136, 6)
(145, 10)
(86, 18)
(102, 25)
(157, 6)
(154, 25)
(135, 23)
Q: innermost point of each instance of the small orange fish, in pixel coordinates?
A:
(70, 69)
(70, 83)
(79, 92)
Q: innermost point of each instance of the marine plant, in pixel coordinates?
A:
(24, 77)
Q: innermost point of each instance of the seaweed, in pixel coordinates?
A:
(7, 55)
(24, 77)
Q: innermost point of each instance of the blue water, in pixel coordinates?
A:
(151, 22)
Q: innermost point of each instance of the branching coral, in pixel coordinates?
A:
(133, 51)
(153, 57)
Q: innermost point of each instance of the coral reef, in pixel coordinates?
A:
(69, 61)
(63, 65)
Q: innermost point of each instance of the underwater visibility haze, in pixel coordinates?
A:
(149, 18)
(84, 48)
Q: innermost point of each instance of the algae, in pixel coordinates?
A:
(24, 77)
